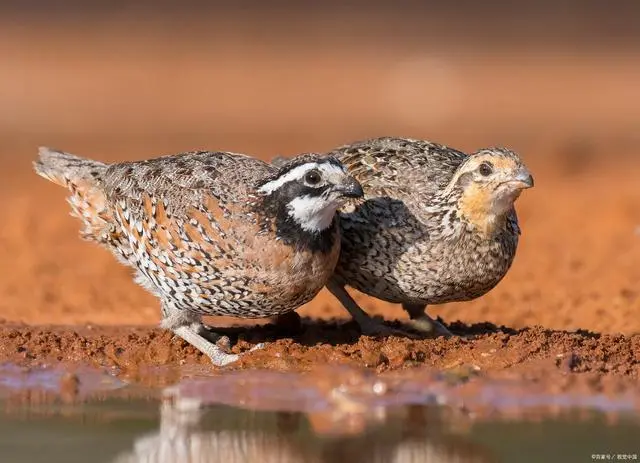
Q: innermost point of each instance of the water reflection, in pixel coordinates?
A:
(188, 433)
(331, 414)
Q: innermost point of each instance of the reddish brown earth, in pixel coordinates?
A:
(568, 308)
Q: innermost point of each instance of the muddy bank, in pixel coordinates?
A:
(533, 353)
(576, 266)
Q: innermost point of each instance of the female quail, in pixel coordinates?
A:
(437, 225)
(212, 233)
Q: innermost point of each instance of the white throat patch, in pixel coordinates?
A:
(314, 213)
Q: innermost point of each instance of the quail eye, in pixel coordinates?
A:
(312, 177)
(486, 169)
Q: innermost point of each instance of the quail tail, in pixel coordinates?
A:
(65, 169)
(82, 178)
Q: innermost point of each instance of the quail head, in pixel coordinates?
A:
(437, 225)
(212, 233)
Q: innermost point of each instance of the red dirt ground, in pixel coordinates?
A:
(569, 306)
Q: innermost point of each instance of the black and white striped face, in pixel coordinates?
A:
(311, 192)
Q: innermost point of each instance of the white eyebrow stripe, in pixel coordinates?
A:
(293, 174)
(296, 173)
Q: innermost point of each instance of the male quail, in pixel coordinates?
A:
(437, 225)
(212, 233)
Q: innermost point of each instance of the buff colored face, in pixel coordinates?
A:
(491, 182)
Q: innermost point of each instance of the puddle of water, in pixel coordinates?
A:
(14, 377)
(333, 415)
(128, 431)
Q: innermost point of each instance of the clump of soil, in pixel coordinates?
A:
(532, 353)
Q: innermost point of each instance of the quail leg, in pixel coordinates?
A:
(423, 323)
(218, 357)
(368, 326)
(189, 328)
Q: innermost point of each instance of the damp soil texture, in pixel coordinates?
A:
(85, 370)
(567, 308)
(544, 367)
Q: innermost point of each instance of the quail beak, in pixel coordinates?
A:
(522, 180)
(350, 188)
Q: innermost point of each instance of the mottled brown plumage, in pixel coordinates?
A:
(437, 225)
(212, 233)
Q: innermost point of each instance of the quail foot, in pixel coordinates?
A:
(212, 233)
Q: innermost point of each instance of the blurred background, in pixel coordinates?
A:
(558, 81)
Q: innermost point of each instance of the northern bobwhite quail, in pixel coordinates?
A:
(212, 233)
(437, 225)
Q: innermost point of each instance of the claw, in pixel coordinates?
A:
(375, 328)
(220, 359)
(215, 350)
(428, 326)
(258, 346)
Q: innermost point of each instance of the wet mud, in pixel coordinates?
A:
(85, 370)
(565, 316)
(567, 308)
(535, 354)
